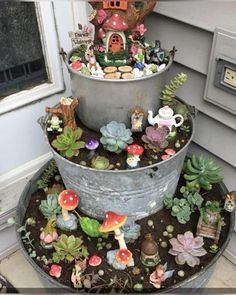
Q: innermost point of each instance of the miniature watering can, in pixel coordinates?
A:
(165, 117)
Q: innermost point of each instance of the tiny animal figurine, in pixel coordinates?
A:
(54, 124)
(156, 55)
(165, 117)
(92, 63)
(48, 234)
(160, 275)
(137, 120)
(149, 251)
(230, 201)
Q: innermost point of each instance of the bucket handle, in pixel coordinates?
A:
(42, 122)
(63, 54)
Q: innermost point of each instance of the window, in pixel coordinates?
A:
(108, 4)
(30, 65)
(22, 64)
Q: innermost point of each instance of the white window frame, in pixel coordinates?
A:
(50, 47)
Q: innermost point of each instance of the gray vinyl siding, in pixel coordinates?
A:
(190, 26)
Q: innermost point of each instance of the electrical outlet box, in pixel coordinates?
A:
(225, 75)
(220, 87)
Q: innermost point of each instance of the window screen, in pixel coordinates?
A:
(22, 64)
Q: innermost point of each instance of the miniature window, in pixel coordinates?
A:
(115, 4)
(22, 63)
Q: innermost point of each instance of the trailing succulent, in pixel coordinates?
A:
(69, 248)
(68, 143)
(201, 173)
(47, 175)
(182, 208)
(50, 208)
(186, 248)
(115, 137)
(156, 137)
(168, 94)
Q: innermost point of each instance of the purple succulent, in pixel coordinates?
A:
(92, 144)
(156, 136)
(187, 249)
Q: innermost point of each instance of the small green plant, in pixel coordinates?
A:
(50, 208)
(201, 173)
(185, 128)
(211, 207)
(168, 94)
(194, 199)
(115, 137)
(47, 175)
(100, 163)
(68, 143)
(25, 233)
(69, 248)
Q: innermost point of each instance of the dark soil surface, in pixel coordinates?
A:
(149, 157)
(160, 220)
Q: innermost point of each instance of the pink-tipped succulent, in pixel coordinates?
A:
(156, 136)
(186, 249)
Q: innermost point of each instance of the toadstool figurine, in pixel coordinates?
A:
(95, 260)
(112, 222)
(134, 152)
(55, 270)
(91, 145)
(68, 200)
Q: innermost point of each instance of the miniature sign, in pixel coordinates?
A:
(82, 36)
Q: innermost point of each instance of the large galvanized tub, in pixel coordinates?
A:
(194, 283)
(136, 193)
(106, 100)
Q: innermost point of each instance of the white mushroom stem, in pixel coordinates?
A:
(65, 214)
(119, 236)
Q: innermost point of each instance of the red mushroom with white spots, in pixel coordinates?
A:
(134, 152)
(124, 256)
(113, 222)
(68, 200)
(95, 260)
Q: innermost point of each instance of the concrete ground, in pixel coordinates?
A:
(19, 272)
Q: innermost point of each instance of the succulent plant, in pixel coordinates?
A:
(210, 213)
(68, 143)
(201, 173)
(156, 136)
(181, 210)
(185, 128)
(69, 248)
(100, 163)
(168, 94)
(186, 248)
(50, 207)
(47, 175)
(115, 137)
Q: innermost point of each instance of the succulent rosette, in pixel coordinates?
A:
(186, 248)
(156, 136)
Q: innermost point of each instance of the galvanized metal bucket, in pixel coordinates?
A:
(136, 193)
(106, 100)
(189, 285)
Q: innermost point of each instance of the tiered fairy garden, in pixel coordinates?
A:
(171, 244)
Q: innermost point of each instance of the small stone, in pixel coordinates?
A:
(182, 140)
(147, 270)
(99, 239)
(83, 163)
(100, 248)
(177, 145)
(118, 164)
(57, 178)
(162, 220)
(38, 258)
(163, 244)
(160, 240)
(138, 287)
(170, 228)
(165, 233)
(108, 246)
(150, 162)
(181, 273)
(37, 201)
(103, 243)
(170, 236)
(150, 223)
(101, 272)
(141, 278)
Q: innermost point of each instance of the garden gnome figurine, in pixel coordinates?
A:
(149, 251)
(66, 110)
(55, 124)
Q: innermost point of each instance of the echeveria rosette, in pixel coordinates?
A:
(115, 137)
(68, 143)
(156, 136)
(186, 248)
